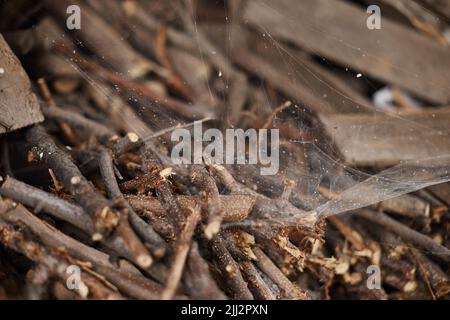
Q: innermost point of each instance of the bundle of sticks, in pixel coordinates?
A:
(87, 182)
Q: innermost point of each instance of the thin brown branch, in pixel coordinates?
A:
(211, 199)
(182, 246)
(49, 203)
(407, 234)
(144, 230)
(44, 149)
(259, 288)
(236, 285)
(176, 106)
(268, 267)
(198, 281)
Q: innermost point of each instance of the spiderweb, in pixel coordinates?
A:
(321, 171)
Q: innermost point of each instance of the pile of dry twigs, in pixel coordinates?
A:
(87, 179)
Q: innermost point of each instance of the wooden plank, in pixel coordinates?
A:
(18, 104)
(337, 30)
(383, 140)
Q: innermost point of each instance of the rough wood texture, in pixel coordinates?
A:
(18, 105)
(338, 31)
(384, 140)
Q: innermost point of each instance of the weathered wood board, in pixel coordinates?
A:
(383, 140)
(19, 106)
(338, 31)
